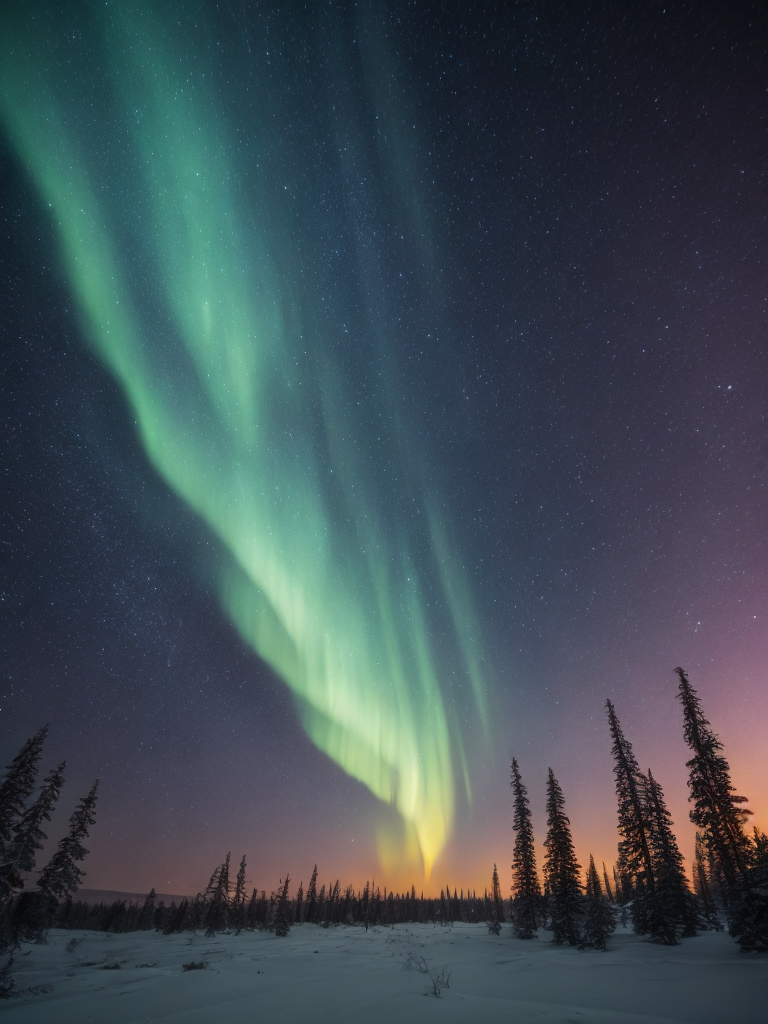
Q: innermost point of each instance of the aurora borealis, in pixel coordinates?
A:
(411, 366)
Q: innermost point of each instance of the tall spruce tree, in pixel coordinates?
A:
(561, 871)
(672, 906)
(27, 836)
(15, 789)
(635, 862)
(218, 900)
(61, 876)
(238, 898)
(526, 891)
(717, 812)
(599, 919)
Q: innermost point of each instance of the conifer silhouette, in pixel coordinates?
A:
(496, 908)
(635, 865)
(717, 812)
(282, 923)
(526, 890)
(749, 916)
(299, 917)
(61, 876)
(217, 899)
(703, 888)
(27, 836)
(311, 902)
(561, 871)
(238, 898)
(672, 905)
(15, 789)
(599, 919)
(607, 884)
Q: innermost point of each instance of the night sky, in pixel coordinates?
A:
(384, 386)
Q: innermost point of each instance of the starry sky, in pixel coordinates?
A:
(385, 385)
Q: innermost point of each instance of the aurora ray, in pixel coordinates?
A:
(263, 393)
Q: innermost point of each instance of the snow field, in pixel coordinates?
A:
(345, 974)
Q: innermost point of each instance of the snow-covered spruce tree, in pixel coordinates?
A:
(672, 906)
(27, 837)
(717, 812)
(526, 891)
(749, 923)
(495, 905)
(599, 921)
(634, 852)
(281, 924)
(217, 898)
(561, 871)
(15, 789)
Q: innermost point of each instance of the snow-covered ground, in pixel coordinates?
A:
(346, 974)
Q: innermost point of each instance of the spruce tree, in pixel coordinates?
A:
(749, 916)
(15, 789)
(320, 908)
(177, 919)
(634, 851)
(299, 916)
(607, 884)
(496, 905)
(672, 905)
(561, 871)
(599, 919)
(218, 900)
(238, 898)
(702, 887)
(526, 890)
(311, 903)
(146, 917)
(27, 836)
(717, 812)
(282, 921)
(61, 876)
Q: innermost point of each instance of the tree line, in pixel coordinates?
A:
(650, 886)
(225, 906)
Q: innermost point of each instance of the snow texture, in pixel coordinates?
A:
(346, 974)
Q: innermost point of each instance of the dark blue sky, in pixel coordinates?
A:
(527, 248)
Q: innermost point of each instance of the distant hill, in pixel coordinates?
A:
(111, 896)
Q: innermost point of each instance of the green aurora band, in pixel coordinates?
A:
(198, 287)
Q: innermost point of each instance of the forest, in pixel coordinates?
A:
(648, 886)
